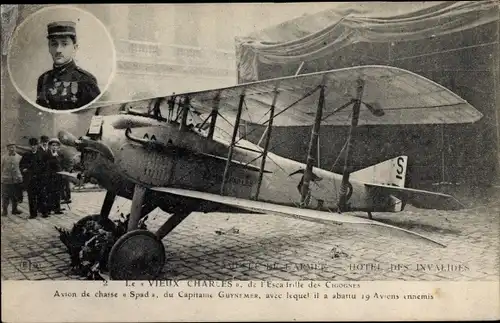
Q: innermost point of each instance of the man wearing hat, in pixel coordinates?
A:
(11, 179)
(66, 86)
(44, 176)
(31, 169)
(44, 143)
(54, 162)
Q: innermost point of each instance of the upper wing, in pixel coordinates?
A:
(403, 96)
(419, 198)
(304, 214)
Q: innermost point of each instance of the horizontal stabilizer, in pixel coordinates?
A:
(295, 212)
(419, 198)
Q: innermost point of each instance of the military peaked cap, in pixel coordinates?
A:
(61, 28)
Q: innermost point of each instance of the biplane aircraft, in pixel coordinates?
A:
(170, 152)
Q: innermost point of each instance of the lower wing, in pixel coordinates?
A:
(419, 198)
(304, 214)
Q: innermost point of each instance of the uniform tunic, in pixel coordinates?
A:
(66, 87)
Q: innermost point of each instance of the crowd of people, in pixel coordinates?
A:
(35, 172)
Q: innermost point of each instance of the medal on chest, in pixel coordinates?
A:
(55, 87)
(65, 88)
(74, 91)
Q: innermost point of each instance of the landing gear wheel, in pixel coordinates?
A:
(137, 255)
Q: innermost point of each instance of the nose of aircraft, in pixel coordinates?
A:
(67, 138)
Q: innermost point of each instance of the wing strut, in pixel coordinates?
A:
(308, 174)
(214, 114)
(233, 141)
(185, 110)
(342, 206)
(266, 144)
(171, 107)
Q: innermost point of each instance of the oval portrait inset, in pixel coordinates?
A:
(61, 59)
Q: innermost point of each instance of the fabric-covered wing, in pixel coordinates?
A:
(391, 96)
(404, 97)
(303, 214)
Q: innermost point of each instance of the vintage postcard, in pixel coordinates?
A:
(262, 162)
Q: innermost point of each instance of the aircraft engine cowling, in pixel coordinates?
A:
(67, 138)
(83, 143)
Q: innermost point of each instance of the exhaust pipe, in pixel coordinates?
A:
(152, 144)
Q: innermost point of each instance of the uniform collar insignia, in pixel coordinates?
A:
(62, 68)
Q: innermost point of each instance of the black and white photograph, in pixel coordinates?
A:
(61, 58)
(253, 154)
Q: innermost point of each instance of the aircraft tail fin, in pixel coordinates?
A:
(390, 172)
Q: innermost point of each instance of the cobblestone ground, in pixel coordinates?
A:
(269, 247)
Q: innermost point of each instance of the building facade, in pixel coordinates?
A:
(160, 49)
(18, 116)
(180, 48)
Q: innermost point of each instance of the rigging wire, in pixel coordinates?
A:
(284, 110)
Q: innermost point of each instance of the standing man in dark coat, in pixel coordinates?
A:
(30, 168)
(44, 177)
(54, 165)
(66, 86)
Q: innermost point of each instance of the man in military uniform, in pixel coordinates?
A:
(66, 86)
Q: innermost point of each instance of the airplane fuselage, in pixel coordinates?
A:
(138, 163)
